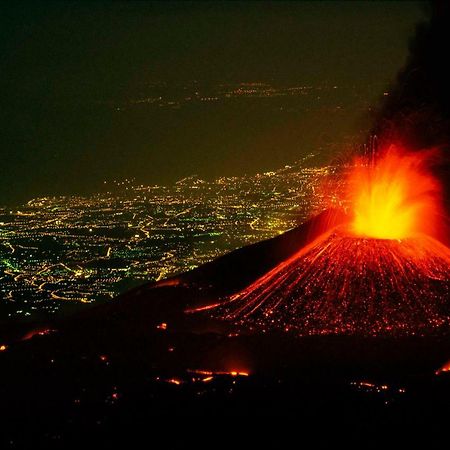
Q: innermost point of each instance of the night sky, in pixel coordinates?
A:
(69, 71)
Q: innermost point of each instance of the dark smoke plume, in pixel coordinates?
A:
(417, 110)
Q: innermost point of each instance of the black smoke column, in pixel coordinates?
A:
(417, 110)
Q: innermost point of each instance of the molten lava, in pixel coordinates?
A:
(395, 198)
(381, 274)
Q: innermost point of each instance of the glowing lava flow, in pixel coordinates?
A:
(381, 275)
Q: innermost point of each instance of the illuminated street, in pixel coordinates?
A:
(83, 249)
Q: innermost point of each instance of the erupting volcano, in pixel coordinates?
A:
(384, 272)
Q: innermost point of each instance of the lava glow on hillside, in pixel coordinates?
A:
(383, 273)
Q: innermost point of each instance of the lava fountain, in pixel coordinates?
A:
(395, 198)
(383, 273)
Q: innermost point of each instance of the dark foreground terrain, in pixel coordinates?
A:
(141, 367)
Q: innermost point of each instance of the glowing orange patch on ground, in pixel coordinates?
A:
(444, 368)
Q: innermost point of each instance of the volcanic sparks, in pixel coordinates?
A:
(382, 274)
(394, 198)
(344, 284)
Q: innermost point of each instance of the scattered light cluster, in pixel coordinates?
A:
(173, 97)
(61, 251)
(344, 284)
(386, 392)
(204, 376)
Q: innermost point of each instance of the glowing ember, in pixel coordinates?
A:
(174, 381)
(395, 198)
(233, 373)
(207, 379)
(444, 368)
(38, 332)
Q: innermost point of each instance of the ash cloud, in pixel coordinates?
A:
(417, 109)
